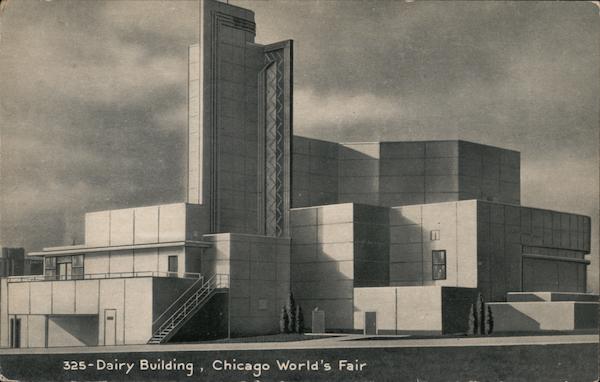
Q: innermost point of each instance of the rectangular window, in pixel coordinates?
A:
(64, 267)
(435, 235)
(64, 259)
(77, 271)
(77, 261)
(262, 304)
(173, 263)
(50, 262)
(50, 268)
(438, 264)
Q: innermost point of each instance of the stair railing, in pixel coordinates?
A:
(164, 324)
(171, 308)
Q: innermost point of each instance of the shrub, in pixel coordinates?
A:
(481, 314)
(291, 314)
(283, 320)
(472, 329)
(299, 320)
(490, 320)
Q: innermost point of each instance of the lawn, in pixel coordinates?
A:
(288, 337)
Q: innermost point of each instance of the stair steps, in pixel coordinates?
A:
(184, 308)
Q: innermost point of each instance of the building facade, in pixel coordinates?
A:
(383, 237)
(188, 270)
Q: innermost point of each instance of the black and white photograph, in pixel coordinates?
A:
(299, 190)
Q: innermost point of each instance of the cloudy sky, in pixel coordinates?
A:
(93, 95)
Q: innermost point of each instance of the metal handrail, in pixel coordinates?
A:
(214, 282)
(107, 275)
(192, 287)
(182, 310)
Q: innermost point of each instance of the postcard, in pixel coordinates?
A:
(245, 190)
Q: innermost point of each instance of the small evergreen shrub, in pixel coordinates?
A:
(299, 320)
(490, 320)
(283, 320)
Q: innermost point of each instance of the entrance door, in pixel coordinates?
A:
(64, 271)
(371, 323)
(110, 327)
(15, 333)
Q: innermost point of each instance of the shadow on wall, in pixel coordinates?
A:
(209, 323)
(408, 265)
(456, 308)
(508, 318)
(72, 331)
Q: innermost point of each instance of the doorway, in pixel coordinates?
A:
(64, 271)
(371, 323)
(110, 327)
(15, 333)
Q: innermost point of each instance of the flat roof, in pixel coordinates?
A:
(77, 249)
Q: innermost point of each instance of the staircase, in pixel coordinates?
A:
(184, 308)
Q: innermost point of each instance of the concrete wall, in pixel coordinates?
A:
(259, 271)
(484, 242)
(334, 249)
(137, 301)
(504, 232)
(544, 315)
(323, 261)
(314, 172)
(403, 173)
(371, 246)
(549, 275)
(65, 331)
(141, 260)
(415, 231)
(419, 172)
(431, 309)
(403, 309)
(489, 173)
(237, 133)
(145, 225)
(359, 173)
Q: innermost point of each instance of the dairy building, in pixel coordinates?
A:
(393, 236)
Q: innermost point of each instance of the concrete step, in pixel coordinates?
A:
(550, 296)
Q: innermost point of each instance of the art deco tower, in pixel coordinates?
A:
(239, 124)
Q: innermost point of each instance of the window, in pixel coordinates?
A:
(435, 235)
(50, 268)
(173, 263)
(438, 265)
(262, 304)
(77, 271)
(64, 267)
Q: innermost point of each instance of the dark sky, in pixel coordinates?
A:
(93, 95)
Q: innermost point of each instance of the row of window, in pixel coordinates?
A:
(64, 267)
(72, 267)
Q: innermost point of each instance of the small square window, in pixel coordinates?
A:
(50, 262)
(78, 261)
(435, 235)
(439, 272)
(262, 304)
